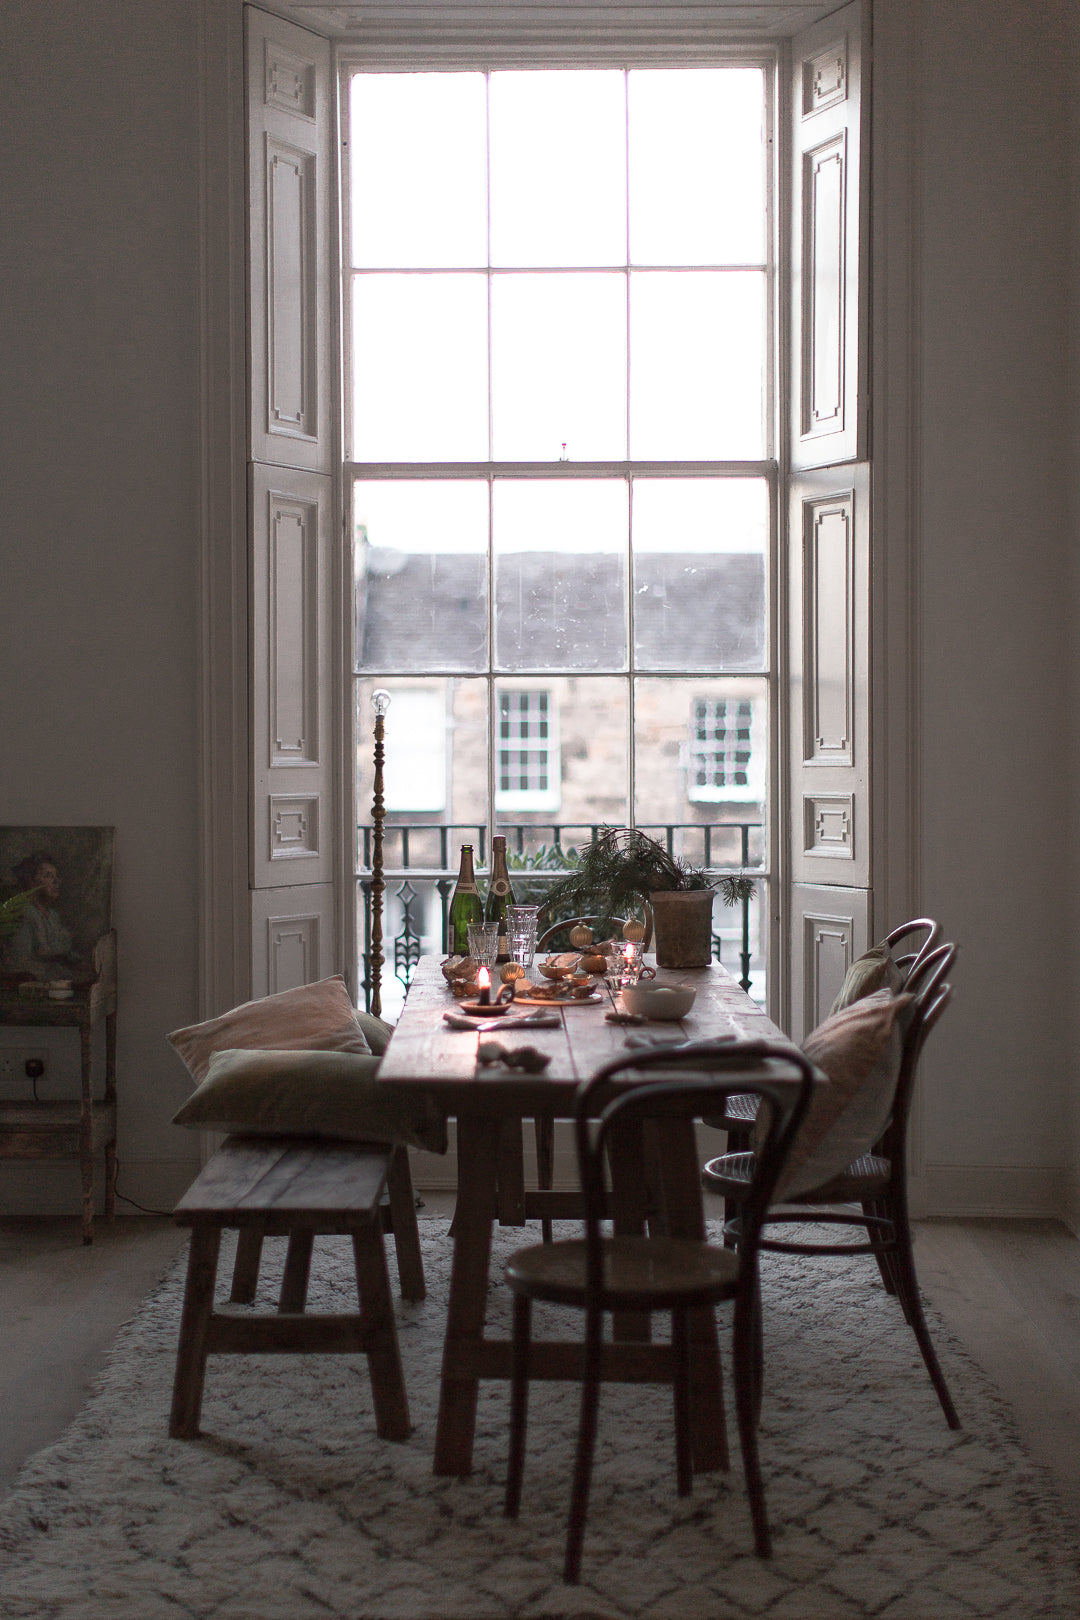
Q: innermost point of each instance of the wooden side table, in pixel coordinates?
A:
(76, 1128)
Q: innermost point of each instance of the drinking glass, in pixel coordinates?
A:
(484, 943)
(627, 963)
(522, 920)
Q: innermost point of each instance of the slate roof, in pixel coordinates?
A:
(693, 610)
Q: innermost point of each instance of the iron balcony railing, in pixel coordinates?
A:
(423, 855)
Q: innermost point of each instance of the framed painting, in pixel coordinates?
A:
(55, 900)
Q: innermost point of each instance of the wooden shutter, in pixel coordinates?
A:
(830, 152)
(829, 897)
(292, 509)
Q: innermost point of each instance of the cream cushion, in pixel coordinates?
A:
(313, 1017)
(859, 1050)
(874, 970)
(335, 1094)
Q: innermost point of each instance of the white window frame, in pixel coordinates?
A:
(393, 51)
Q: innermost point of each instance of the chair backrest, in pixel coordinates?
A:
(911, 959)
(928, 983)
(714, 1072)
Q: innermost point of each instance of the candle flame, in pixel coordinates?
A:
(483, 979)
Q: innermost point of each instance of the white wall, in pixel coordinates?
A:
(98, 513)
(995, 599)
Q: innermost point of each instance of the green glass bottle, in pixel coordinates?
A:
(465, 906)
(500, 898)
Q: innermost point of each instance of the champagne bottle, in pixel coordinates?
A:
(465, 905)
(500, 898)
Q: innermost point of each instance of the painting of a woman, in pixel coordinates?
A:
(41, 944)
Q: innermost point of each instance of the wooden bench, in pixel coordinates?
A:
(297, 1188)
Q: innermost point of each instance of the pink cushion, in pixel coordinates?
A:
(316, 1017)
(859, 1049)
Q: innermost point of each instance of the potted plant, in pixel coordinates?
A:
(624, 871)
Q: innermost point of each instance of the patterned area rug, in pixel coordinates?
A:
(289, 1507)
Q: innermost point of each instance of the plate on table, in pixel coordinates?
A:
(559, 1001)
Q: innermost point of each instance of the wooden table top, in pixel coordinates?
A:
(425, 1051)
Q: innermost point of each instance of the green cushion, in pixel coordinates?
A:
(377, 1031)
(334, 1094)
(874, 970)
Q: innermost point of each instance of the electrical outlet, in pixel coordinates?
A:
(13, 1061)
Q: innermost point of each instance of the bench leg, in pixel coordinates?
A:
(294, 1283)
(377, 1313)
(406, 1232)
(245, 1280)
(194, 1323)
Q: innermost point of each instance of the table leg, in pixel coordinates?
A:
(478, 1157)
(629, 1209)
(684, 1216)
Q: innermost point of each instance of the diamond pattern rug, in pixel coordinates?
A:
(289, 1508)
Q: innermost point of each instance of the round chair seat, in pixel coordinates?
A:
(729, 1175)
(653, 1273)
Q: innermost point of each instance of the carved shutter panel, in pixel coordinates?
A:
(828, 645)
(830, 157)
(292, 506)
(289, 200)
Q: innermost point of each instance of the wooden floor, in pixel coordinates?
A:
(1009, 1289)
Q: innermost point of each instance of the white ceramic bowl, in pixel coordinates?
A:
(659, 1000)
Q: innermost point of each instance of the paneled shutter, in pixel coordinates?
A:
(828, 572)
(829, 307)
(292, 508)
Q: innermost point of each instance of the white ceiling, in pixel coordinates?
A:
(736, 17)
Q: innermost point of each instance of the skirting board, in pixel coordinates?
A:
(991, 1190)
(942, 1189)
(53, 1188)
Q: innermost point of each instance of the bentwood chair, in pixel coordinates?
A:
(871, 1190)
(601, 1274)
(884, 964)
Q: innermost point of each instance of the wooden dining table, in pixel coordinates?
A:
(490, 1105)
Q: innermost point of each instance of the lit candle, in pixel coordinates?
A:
(483, 987)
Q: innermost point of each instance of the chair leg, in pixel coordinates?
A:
(908, 1290)
(544, 1127)
(883, 1253)
(680, 1352)
(519, 1403)
(746, 1380)
(586, 1446)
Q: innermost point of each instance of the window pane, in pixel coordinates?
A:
(558, 168)
(701, 750)
(700, 547)
(421, 575)
(418, 169)
(560, 574)
(697, 166)
(420, 368)
(588, 736)
(697, 353)
(558, 359)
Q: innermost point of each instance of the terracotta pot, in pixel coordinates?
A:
(682, 919)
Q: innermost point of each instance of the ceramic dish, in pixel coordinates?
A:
(658, 1000)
